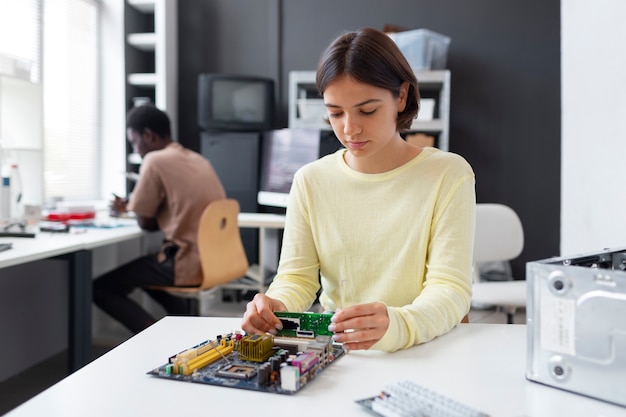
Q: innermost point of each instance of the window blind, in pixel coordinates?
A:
(56, 43)
(70, 78)
(20, 34)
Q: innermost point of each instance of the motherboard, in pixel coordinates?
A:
(282, 364)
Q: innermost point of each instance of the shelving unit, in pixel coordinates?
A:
(151, 54)
(151, 61)
(432, 84)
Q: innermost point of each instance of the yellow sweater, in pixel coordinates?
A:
(403, 237)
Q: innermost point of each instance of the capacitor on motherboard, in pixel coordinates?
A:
(263, 374)
(275, 363)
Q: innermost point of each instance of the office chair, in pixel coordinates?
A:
(499, 237)
(222, 255)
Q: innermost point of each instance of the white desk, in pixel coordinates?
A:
(482, 365)
(269, 226)
(46, 245)
(76, 249)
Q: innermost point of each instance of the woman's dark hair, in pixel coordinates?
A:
(371, 57)
(149, 117)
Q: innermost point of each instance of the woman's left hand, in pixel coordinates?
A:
(360, 326)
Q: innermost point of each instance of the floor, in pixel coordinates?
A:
(29, 383)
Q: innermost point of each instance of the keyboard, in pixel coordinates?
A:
(409, 399)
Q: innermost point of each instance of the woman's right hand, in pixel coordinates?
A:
(259, 316)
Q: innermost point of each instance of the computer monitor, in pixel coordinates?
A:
(284, 151)
(228, 102)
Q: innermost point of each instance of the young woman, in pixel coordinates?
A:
(385, 227)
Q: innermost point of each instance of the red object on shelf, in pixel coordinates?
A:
(63, 216)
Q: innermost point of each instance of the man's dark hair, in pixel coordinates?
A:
(149, 117)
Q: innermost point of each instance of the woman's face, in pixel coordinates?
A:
(362, 116)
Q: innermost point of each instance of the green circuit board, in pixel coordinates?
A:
(304, 324)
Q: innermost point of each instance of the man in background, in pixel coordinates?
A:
(175, 185)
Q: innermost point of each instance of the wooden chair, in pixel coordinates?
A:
(222, 255)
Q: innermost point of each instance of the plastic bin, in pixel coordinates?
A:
(423, 48)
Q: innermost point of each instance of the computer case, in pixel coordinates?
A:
(235, 158)
(577, 324)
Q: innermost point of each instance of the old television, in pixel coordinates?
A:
(283, 152)
(229, 102)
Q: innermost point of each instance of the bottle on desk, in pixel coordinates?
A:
(16, 193)
(5, 198)
(11, 194)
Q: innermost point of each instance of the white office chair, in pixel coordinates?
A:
(499, 237)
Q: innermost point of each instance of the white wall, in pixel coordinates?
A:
(593, 99)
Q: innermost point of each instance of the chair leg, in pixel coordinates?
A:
(193, 306)
(510, 317)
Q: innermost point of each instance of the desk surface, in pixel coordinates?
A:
(46, 245)
(482, 365)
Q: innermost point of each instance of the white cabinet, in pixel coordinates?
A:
(151, 56)
(306, 109)
(21, 127)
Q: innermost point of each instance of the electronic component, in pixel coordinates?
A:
(280, 365)
(53, 227)
(408, 398)
(9, 230)
(257, 347)
(304, 324)
(237, 371)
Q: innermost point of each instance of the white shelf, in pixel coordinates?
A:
(434, 126)
(14, 67)
(143, 41)
(134, 158)
(144, 6)
(163, 42)
(142, 79)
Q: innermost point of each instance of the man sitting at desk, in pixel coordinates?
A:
(175, 186)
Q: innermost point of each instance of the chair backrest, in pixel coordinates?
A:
(499, 234)
(222, 254)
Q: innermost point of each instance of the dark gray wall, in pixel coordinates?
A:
(505, 98)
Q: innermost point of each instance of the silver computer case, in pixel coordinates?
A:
(577, 324)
